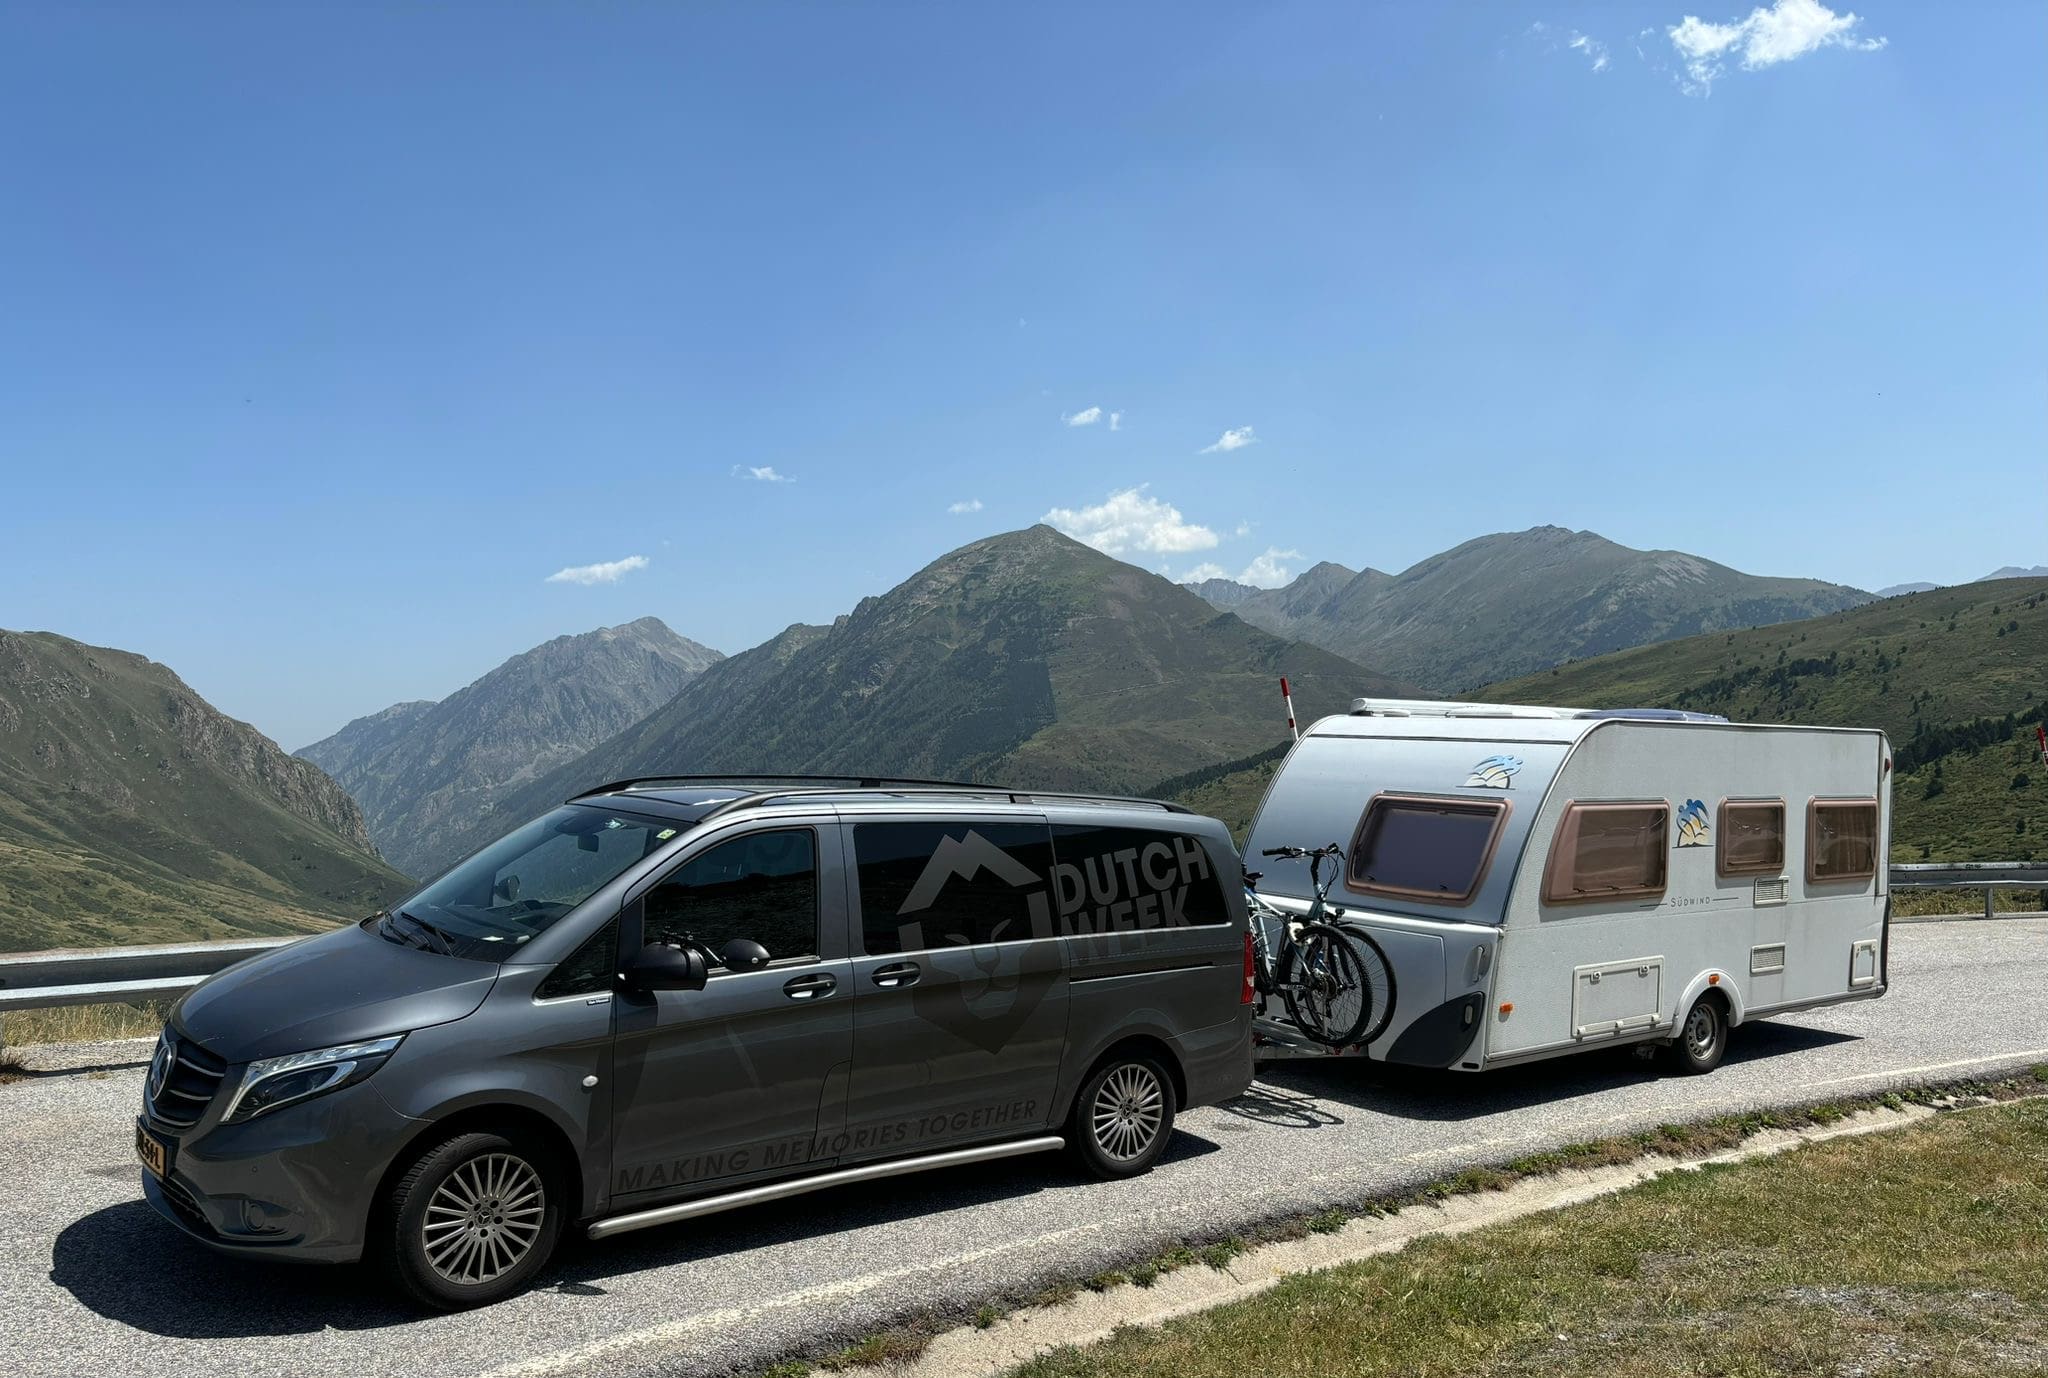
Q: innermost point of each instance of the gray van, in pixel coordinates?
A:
(675, 996)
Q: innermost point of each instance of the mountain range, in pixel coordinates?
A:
(131, 810)
(1954, 676)
(1515, 602)
(424, 771)
(1027, 658)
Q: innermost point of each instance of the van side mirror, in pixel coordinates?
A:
(659, 966)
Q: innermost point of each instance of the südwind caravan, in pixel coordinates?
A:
(1546, 880)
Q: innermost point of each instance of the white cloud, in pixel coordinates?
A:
(1132, 520)
(609, 572)
(961, 509)
(1116, 420)
(1594, 51)
(1204, 571)
(1087, 416)
(1268, 571)
(1784, 30)
(763, 473)
(1232, 440)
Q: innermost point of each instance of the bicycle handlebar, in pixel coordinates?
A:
(1298, 852)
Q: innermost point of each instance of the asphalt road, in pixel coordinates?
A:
(91, 1282)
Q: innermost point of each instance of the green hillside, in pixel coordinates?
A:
(1958, 677)
(1516, 602)
(1026, 658)
(133, 811)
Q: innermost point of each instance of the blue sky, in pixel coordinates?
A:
(327, 335)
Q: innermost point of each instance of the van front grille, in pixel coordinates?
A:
(183, 1080)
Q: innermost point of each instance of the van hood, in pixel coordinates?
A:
(341, 987)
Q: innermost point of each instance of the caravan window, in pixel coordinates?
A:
(1752, 837)
(1608, 852)
(1841, 839)
(1415, 847)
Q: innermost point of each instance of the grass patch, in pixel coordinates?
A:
(1919, 1251)
(83, 1023)
(897, 1345)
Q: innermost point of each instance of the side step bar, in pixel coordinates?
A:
(776, 1191)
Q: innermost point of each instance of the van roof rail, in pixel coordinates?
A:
(750, 777)
(798, 787)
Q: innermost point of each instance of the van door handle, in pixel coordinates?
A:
(896, 975)
(809, 987)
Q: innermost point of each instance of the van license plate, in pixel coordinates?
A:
(154, 1152)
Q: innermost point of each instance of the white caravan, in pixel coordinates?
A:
(1545, 880)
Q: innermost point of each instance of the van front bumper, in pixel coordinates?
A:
(297, 1184)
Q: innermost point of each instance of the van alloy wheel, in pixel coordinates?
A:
(483, 1220)
(1128, 1111)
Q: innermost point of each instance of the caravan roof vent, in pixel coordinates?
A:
(1651, 714)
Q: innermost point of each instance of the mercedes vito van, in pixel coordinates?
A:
(676, 996)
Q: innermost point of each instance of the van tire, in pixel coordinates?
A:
(1123, 1117)
(497, 1178)
(1702, 1037)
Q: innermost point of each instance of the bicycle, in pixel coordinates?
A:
(1334, 980)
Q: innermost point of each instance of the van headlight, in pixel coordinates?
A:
(280, 1081)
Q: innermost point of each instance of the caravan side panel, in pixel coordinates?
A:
(1592, 971)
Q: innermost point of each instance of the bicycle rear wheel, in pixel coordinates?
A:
(1327, 980)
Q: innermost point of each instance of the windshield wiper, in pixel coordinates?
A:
(443, 940)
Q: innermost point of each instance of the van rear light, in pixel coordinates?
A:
(1250, 991)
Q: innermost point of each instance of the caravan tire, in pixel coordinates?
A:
(1702, 1037)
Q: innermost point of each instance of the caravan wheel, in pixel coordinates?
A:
(1702, 1036)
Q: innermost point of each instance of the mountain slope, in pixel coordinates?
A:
(1512, 603)
(132, 810)
(421, 770)
(1026, 658)
(1958, 677)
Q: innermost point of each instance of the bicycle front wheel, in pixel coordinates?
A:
(1326, 981)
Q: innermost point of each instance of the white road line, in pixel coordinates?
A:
(670, 1331)
(2020, 1056)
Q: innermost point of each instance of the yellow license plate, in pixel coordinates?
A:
(150, 1149)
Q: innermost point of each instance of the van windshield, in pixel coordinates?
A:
(489, 905)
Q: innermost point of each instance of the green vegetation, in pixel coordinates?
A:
(1919, 1251)
(1026, 658)
(1515, 602)
(1956, 676)
(132, 811)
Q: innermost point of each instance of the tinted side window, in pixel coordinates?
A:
(762, 886)
(1841, 839)
(927, 885)
(1115, 880)
(1608, 852)
(588, 970)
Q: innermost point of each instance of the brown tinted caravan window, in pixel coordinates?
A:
(1841, 839)
(1608, 852)
(1752, 840)
(1428, 849)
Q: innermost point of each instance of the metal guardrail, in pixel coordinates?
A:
(1989, 876)
(112, 975)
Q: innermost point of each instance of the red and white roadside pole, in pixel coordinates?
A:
(1287, 698)
(2039, 730)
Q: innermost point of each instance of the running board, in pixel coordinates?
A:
(776, 1191)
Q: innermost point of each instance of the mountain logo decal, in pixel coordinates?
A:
(990, 1006)
(965, 859)
(1495, 772)
(1693, 828)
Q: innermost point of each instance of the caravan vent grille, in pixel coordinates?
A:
(1770, 890)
